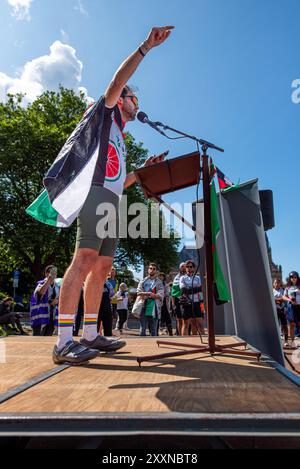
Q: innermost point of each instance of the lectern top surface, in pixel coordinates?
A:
(170, 175)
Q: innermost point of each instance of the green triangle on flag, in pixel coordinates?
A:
(42, 210)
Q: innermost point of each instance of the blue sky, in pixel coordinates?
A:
(225, 74)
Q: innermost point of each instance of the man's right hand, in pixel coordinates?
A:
(157, 36)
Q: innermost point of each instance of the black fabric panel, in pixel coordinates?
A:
(251, 314)
(76, 152)
(254, 307)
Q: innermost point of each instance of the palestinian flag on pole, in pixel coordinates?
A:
(225, 184)
(68, 181)
(221, 291)
(224, 181)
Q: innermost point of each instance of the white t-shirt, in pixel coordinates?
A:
(116, 160)
(290, 291)
(278, 294)
(124, 303)
(187, 281)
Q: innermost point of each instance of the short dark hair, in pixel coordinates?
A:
(190, 261)
(125, 91)
(153, 263)
(48, 268)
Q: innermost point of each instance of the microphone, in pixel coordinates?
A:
(142, 117)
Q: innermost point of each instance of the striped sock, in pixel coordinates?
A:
(65, 329)
(90, 326)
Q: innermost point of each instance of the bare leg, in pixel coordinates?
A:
(186, 324)
(200, 325)
(194, 324)
(180, 326)
(292, 331)
(93, 287)
(285, 333)
(81, 265)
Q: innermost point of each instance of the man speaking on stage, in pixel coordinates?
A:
(83, 176)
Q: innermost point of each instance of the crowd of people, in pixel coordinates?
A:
(287, 299)
(163, 304)
(167, 308)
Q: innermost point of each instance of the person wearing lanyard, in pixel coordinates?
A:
(192, 300)
(151, 290)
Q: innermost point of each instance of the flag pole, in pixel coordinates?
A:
(209, 280)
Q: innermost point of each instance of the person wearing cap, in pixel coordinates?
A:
(122, 306)
(175, 295)
(292, 296)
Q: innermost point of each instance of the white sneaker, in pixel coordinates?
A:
(294, 345)
(286, 344)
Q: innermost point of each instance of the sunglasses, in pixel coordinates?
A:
(133, 98)
(190, 267)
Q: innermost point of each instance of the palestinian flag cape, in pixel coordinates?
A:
(176, 291)
(68, 181)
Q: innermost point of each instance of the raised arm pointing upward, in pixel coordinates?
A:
(156, 37)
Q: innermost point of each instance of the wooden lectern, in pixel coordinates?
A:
(169, 176)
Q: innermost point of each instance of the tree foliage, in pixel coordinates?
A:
(30, 139)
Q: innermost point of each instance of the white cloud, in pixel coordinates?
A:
(21, 9)
(64, 36)
(79, 7)
(60, 67)
(88, 99)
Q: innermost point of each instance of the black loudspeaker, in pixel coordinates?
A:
(267, 209)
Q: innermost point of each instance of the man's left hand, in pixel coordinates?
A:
(155, 159)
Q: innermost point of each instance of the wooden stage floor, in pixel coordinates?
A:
(192, 394)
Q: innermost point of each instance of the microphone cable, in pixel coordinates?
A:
(198, 254)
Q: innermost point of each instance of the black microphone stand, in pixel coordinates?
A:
(211, 347)
(202, 142)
